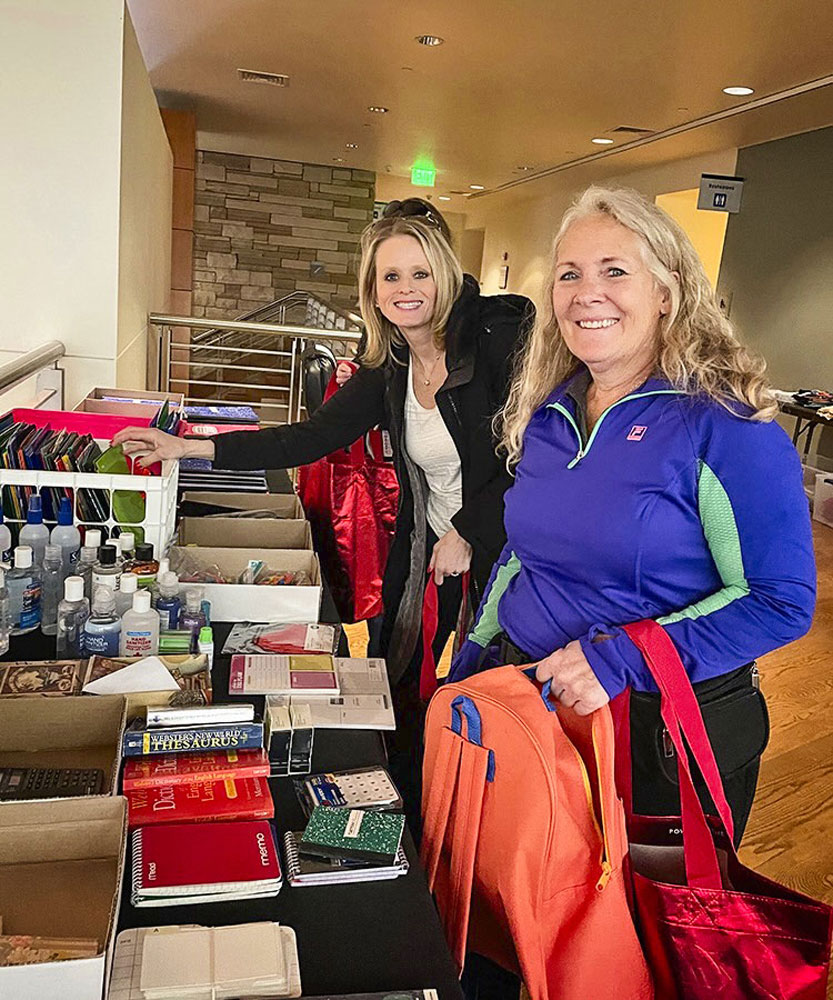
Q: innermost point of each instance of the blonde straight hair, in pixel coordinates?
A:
(381, 336)
(699, 352)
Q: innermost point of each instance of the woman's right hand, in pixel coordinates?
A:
(161, 446)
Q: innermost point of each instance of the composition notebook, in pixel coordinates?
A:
(203, 862)
(303, 870)
(359, 834)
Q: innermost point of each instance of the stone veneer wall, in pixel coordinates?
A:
(260, 225)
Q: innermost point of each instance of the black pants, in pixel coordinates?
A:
(405, 745)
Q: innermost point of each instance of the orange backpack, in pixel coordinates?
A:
(524, 838)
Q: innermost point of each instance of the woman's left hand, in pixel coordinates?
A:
(573, 682)
(451, 556)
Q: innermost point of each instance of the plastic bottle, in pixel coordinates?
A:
(73, 612)
(92, 538)
(24, 586)
(102, 630)
(86, 561)
(113, 543)
(191, 618)
(5, 542)
(67, 536)
(164, 567)
(53, 585)
(127, 547)
(5, 622)
(105, 571)
(144, 565)
(168, 602)
(124, 595)
(34, 533)
(140, 628)
(206, 645)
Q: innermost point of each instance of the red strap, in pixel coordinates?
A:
(357, 453)
(430, 623)
(681, 715)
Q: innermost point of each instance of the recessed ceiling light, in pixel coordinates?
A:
(445, 197)
(338, 159)
(477, 187)
(377, 109)
(602, 142)
(738, 91)
(351, 145)
(429, 40)
(525, 168)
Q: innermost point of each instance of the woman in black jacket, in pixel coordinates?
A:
(432, 343)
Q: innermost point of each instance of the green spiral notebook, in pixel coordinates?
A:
(360, 834)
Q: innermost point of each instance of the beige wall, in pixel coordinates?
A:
(523, 220)
(705, 229)
(144, 216)
(60, 185)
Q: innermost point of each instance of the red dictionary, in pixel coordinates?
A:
(200, 802)
(203, 861)
(185, 768)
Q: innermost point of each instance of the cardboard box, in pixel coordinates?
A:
(235, 602)
(61, 865)
(245, 533)
(93, 402)
(286, 505)
(63, 732)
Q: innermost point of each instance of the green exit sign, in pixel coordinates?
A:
(423, 176)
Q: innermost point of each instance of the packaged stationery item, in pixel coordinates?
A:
(299, 674)
(176, 769)
(359, 834)
(290, 638)
(302, 869)
(359, 788)
(204, 863)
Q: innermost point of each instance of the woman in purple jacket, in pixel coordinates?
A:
(650, 482)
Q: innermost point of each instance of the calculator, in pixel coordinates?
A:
(49, 782)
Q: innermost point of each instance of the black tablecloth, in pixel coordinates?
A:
(355, 938)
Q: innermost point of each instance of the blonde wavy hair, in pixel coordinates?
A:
(381, 336)
(699, 351)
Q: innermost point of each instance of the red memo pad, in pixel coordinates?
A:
(184, 854)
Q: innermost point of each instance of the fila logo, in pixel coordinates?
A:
(637, 433)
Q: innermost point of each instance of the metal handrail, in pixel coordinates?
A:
(307, 332)
(21, 368)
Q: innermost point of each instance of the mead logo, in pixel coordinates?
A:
(637, 433)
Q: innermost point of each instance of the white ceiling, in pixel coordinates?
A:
(526, 83)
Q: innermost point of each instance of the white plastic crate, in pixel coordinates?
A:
(823, 501)
(820, 464)
(160, 499)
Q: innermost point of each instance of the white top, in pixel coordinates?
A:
(431, 447)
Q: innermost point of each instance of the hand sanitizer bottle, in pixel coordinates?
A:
(5, 542)
(53, 585)
(35, 533)
(24, 586)
(73, 612)
(67, 536)
(140, 627)
(124, 595)
(102, 630)
(5, 621)
(168, 602)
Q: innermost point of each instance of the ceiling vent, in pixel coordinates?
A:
(630, 130)
(254, 76)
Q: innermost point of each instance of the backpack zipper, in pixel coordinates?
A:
(583, 449)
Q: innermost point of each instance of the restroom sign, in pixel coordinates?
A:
(719, 193)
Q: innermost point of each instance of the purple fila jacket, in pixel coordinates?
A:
(675, 509)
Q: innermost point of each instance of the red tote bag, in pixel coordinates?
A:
(711, 927)
(351, 500)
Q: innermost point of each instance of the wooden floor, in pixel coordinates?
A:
(790, 832)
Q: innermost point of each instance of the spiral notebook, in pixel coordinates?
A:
(304, 870)
(204, 863)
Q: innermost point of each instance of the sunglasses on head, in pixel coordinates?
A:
(415, 209)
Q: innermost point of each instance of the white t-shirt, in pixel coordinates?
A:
(431, 447)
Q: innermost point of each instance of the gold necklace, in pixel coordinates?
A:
(426, 377)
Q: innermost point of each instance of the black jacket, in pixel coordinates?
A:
(482, 336)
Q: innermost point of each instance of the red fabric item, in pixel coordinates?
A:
(524, 839)
(711, 927)
(430, 622)
(351, 501)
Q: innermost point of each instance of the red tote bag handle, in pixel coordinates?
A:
(430, 623)
(681, 715)
(357, 453)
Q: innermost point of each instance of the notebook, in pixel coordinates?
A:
(303, 870)
(204, 862)
(359, 788)
(359, 834)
